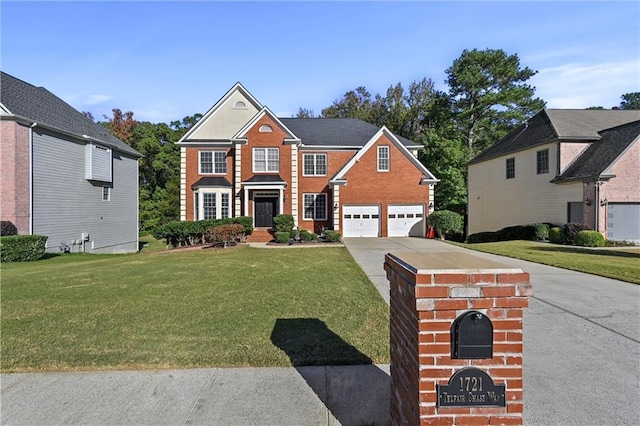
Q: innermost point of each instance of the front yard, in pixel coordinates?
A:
(240, 306)
(617, 263)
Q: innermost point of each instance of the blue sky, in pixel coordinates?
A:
(167, 60)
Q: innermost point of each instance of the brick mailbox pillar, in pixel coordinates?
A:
(456, 339)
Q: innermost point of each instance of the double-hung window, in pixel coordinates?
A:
(314, 164)
(212, 204)
(383, 158)
(266, 160)
(315, 206)
(106, 193)
(511, 168)
(542, 161)
(213, 162)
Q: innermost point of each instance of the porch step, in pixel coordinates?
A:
(260, 235)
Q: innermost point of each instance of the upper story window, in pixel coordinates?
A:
(106, 193)
(542, 161)
(265, 128)
(213, 162)
(266, 160)
(240, 105)
(383, 158)
(314, 164)
(511, 168)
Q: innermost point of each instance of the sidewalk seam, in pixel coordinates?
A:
(199, 397)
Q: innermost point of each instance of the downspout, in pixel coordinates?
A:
(596, 205)
(34, 124)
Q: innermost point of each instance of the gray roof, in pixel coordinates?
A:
(211, 181)
(265, 179)
(558, 124)
(38, 104)
(600, 155)
(339, 132)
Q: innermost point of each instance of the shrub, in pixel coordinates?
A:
(445, 221)
(307, 236)
(283, 223)
(8, 228)
(281, 237)
(572, 228)
(22, 248)
(186, 233)
(589, 239)
(618, 243)
(225, 234)
(557, 236)
(483, 237)
(294, 233)
(332, 236)
(541, 231)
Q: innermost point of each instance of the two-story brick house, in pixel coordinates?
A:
(562, 166)
(342, 174)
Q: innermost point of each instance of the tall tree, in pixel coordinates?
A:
(121, 124)
(489, 95)
(305, 113)
(354, 104)
(630, 101)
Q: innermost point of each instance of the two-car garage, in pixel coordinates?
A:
(402, 220)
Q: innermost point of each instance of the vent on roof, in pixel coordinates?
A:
(265, 128)
(240, 105)
(98, 163)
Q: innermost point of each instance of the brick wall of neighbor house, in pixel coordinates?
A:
(192, 173)
(319, 184)
(403, 174)
(589, 212)
(569, 152)
(14, 170)
(425, 301)
(268, 140)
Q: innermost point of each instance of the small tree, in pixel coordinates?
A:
(283, 223)
(445, 221)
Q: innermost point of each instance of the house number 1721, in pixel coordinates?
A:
(470, 384)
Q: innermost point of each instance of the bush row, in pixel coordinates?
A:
(184, 233)
(533, 232)
(22, 248)
(225, 235)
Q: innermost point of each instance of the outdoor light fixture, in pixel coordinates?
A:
(588, 201)
(335, 206)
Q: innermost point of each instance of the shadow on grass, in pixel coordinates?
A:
(355, 391)
(577, 250)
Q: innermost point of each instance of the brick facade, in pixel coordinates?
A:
(14, 171)
(425, 301)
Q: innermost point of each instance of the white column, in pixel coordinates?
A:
(294, 183)
(246, 202)
(336, 212)
(237, 178)
(183, 183)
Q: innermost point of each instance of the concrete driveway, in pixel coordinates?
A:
(581, 341)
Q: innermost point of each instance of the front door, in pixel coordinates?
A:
(266, 209)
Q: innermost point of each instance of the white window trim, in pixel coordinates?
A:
(266, 159)
(213, 164)
(315, 164)
(315, 196)
(198, 213)
(388, 158)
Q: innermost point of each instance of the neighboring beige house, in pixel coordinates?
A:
(561, 166)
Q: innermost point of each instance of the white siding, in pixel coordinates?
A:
(496, 202)
(66, 205)
(227, 120)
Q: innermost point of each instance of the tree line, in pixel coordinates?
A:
(487, 96)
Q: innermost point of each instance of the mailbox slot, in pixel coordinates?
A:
(472, 336)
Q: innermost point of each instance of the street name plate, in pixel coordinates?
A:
(471, 387)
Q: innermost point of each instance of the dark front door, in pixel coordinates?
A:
(266, 209)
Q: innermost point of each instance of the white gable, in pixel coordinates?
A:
(226, 117)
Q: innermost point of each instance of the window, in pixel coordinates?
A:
(383, 158)
(266, 160)
(315, 164)
(240, 105)
(212, 204)
(106, 193)
(575, 212)
(542, 161)
(511, 168)
(315, 206)
(265, 128)
(213, 162)
(209, 205)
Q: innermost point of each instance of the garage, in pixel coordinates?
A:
(360, 221)
(623, 222)
(406, 220)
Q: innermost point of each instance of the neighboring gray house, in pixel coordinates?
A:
(63, 175)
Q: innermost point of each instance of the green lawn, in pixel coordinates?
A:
(239, 306)
(620, 263)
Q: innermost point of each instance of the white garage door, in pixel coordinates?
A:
(360, 221)
(406, 221)
(623, 222)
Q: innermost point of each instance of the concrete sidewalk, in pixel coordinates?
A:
(347, 395)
